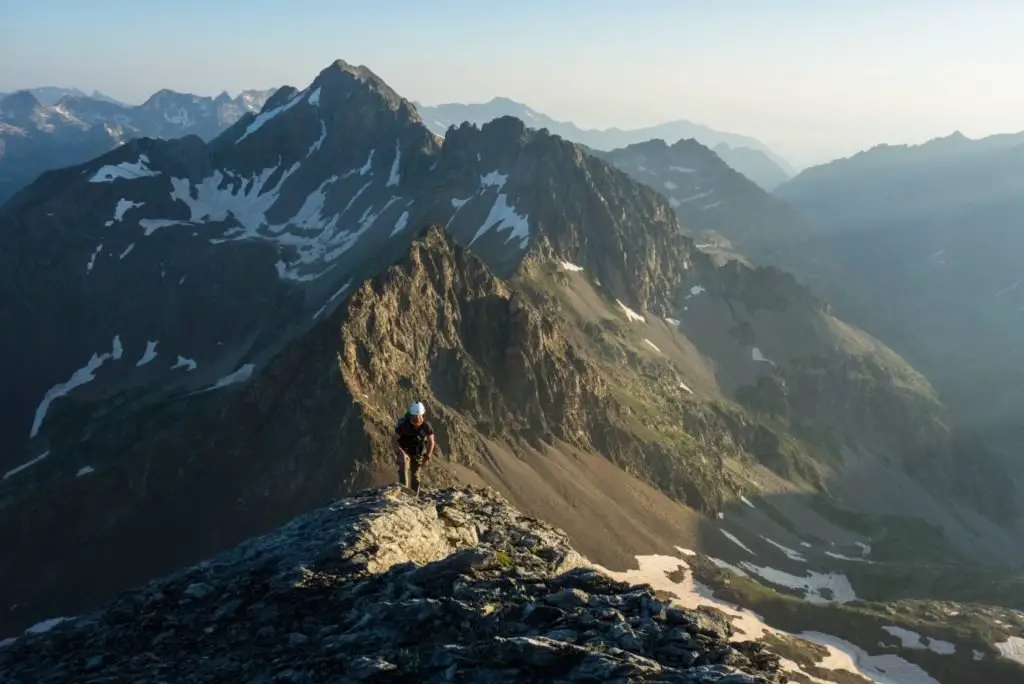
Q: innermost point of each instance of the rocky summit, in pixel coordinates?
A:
(453, 586)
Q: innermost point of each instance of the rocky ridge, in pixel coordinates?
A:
(454, 586)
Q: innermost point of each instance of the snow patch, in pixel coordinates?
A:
(127, 251)
(314, 98)
(910, 639)
(400, 224)
(148, 355)
(674, 321)
(319, 141)
(240, 375)
(151, 225)
(187, 364)
(124, 205)
(261, 120)
(747, 501)
(125, 170)
(840, 556)
(78, 378)
(682, 386)
(87, 470)
(630, 314)
(334, 296)
(393, 178)
(503, 216)
(756, 355)
(737, 542)
(1012, 649)
(682, 169)
(45, 625)
(696, 290)
(880, 669)
(669, 185)
(569, 266)
(790, 553)
(652, 345)
(92, 259)
(813, 584)
(27, 464)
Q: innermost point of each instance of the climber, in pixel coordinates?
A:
(413, 443)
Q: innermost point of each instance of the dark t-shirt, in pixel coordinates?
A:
(411, 438)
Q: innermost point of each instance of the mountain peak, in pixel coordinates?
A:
(340, 82)
(19, 103)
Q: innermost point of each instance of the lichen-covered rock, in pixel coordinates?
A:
(453, 586)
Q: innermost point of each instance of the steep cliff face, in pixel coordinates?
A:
(454, 586)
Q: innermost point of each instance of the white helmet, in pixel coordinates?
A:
(417, 409)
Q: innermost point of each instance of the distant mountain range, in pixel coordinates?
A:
(747, 155)
(51, 95)
(930, 239)
(38, 135)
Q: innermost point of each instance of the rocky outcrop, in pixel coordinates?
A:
(454, 586)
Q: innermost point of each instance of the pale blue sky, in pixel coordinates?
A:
(812, 79)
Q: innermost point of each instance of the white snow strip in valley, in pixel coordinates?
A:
(493, 179)
(696, 290)
(682, 386)
(394, 177)
(790, 553)
(696, 197)
(711, 206)
(756, 355)
(630, 314)
(187, 364)
(910, 639)
(27, 464)
(652, 345)
(127, 251)
(737, 542)
(334, 296)
(682, 169)
(400, 224)
(92, 259)
(148, 355)
(503, 216)
(87, 470)
(813, 585)
(125, 170)
(723, 565)
(319, 141)
(240, 375)
(569, 266)
(747, 501)
(1012, 649)
(669, 185)
(45, 625)
(865, 549)
(368, 166)
(314, 98)
(78, 378)
(124, 205)
(1008, 289)
(842, 655)
(261, 120)
(673, 321)
(151, 225)
(840, 556)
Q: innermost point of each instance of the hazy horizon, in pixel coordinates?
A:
(811, 80)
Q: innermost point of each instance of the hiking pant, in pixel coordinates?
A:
(409, 471)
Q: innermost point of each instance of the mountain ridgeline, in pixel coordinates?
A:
(216, 337)
(47, 128)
